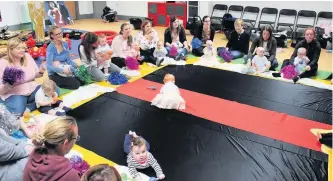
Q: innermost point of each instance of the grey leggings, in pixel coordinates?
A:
(98, 75)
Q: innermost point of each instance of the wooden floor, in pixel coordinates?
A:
(325, 61)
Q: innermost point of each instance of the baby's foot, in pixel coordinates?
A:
(130, 133)
(134, 135)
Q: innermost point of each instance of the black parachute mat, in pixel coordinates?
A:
(192, 148)
(294, 99)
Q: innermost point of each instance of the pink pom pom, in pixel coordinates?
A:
(132, 63)
(289, 72)
(173, 51)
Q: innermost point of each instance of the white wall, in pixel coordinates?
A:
(86, 7)
(297, 5)
(14, 12)
(130, 8)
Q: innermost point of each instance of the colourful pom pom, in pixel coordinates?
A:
(78, 164)
(173, 51)
(196, 43)
(12, 75)
(116, 78)
(289, 72)
(132, 63)
(83, 75)
(226, 55)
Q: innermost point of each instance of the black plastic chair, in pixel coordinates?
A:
(305, 14)
(290, 13)
(236, 8)
(253, 10)
(270, 11)
(216, 21)
(324, 15)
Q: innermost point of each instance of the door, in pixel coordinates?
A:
(71, 8)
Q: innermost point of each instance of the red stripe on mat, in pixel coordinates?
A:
(264, 122)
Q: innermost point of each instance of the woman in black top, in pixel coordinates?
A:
(238, 45)
(204, 32)
(176, 33)
(269, 43)
(313, 50)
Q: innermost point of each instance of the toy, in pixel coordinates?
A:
(12, 75)
(110, 52)
(68, 41)
(31, 42)
(33, 51)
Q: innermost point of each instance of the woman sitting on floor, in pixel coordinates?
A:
(58, 54)
(204, 32)
(19, 96)
(47, 161)
(121, 45)
(147, 39)
(89, 60)
(313, 52)
(267, 41)
(175, 34)
(13, 153)
(238, 45)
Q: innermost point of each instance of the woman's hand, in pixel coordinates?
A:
(307, 68)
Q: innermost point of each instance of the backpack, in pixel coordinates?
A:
(136, 22)
(228, 24)
(109, 14)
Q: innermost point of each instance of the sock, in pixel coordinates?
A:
(276, 74)
(58, 113)
(66, 109)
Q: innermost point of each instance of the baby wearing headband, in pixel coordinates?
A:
(139, 156)
(169, 96)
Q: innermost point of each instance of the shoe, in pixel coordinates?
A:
(159, 62)
(295, 79)
(58, 113)
(276, 74)
(66, 109)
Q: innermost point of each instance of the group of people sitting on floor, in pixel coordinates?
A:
(100, 60)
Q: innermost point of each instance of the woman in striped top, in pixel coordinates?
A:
(139, 156)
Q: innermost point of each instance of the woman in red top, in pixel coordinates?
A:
(47, 162)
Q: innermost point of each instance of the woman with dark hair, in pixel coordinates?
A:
(269, 43)
(313, 50)
(89, 60)
(58, 51)
(147, 39)
(121, 45)
(204, 32)
(175, 33)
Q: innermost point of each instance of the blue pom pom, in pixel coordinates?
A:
(115, 78)
(196, 43)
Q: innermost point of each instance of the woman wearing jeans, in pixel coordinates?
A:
(88, 57)
(21, 95)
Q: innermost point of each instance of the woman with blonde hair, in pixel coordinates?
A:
(58, 54)
(19, 95)
(47, 161)
(239, 41)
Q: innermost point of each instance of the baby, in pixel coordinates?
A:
(47, 100)
(64, 66)
(139, 156)
(301, 60)
(160, 51)
(209, 58)
(102, 50)
(169, 96)
(135, 51)
(260, 64)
